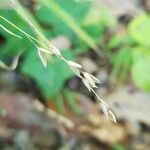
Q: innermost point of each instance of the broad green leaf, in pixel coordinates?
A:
(78, 12)
(95, 31)
(69, 20)
(50, 80)
(55, 25)
(12, 16)
(139, 29)
(140, 70)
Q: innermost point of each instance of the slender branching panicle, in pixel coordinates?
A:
(88, 80)
(44, 48)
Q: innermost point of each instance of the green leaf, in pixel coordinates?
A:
(139, 29)
(78, 12)
(10, 47)
(69, 20)
(55, 25)
(12, 16)
(121, 63)
(140, 70)
(117, 147)
(59, 103)
(95, 31)
(50, 80)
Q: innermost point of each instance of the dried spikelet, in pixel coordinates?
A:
(42, 57)
(88, 80)
(44, 50)
(112, 116)
(95, 79)
(104, 109)
(55, 51)
(86, 84)
(76, 71)
(73, 64)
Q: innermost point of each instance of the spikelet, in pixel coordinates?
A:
(88, 80)
(42, 57)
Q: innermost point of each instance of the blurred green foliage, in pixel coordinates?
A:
(140, 69)
(139, 30)
(56, 25)
(9, 48)
(117, 147)
(51, 79)
(131, 51)
(121, 64)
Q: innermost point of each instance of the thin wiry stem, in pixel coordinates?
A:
(25, 33)
(10, 32)
(28, 17)
(106, 109)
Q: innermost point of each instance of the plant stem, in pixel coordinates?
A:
(19, 29)
(29, 18)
